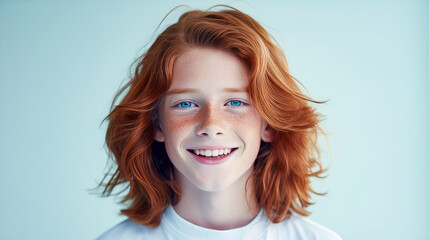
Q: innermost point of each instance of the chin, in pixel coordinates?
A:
(216, 184)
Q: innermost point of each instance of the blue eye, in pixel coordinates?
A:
(186, 104)
(236, 103)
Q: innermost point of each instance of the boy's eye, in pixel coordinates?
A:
(186, 104)
(235, 103)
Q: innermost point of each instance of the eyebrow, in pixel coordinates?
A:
(194, 90)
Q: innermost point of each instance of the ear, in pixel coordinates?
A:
(267, 133)
(158, 132)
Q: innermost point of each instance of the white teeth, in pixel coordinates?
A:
(208, 153)
(212, 153)
(215, 153)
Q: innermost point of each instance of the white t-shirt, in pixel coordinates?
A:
(175, 227)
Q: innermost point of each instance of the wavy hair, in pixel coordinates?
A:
(282, 169)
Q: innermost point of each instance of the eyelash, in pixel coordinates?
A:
(178, 105)
(193, 104)
(241, 103)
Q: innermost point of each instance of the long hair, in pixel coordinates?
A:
(283, 168)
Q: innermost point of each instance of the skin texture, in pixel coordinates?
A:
(208, 105)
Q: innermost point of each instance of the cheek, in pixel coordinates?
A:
(175, 130)
(176, 127)
(249, 128)
(249, 122)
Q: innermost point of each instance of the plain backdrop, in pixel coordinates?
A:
(61, 62)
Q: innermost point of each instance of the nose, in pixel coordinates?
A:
(211, 122)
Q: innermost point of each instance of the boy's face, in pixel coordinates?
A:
(207, 108)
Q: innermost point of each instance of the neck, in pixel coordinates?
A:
(232, 207)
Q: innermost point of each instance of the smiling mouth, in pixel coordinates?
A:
(212, 154)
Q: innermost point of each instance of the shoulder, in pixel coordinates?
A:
(127, 229)
(300, 227)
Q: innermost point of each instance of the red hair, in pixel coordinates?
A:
(283, 168)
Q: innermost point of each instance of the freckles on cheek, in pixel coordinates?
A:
(178, 126)
(248, 121)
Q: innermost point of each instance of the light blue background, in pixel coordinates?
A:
(62, 62)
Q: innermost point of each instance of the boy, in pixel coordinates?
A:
(214, 137)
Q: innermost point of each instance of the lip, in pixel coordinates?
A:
(209, 147)
(211, 161)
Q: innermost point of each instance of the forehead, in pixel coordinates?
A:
(203, 67)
